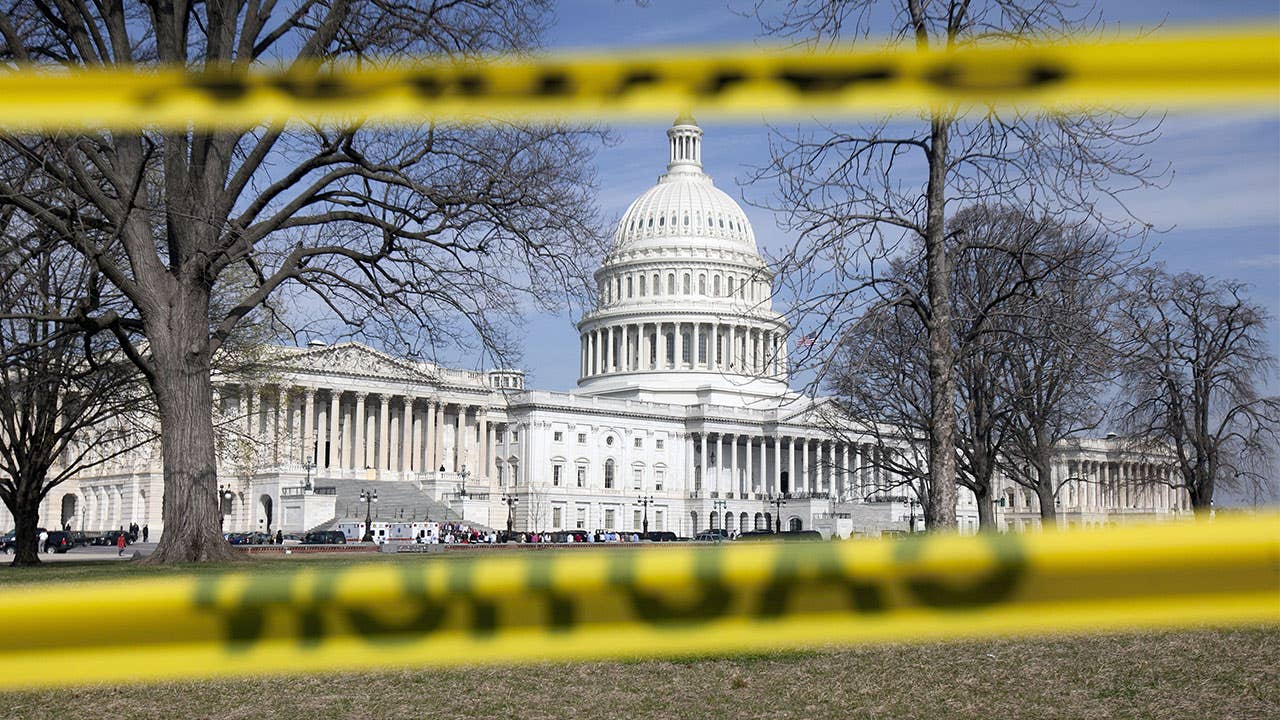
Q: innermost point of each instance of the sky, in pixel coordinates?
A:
(1219, 214)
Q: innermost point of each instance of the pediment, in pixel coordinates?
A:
(358, 360)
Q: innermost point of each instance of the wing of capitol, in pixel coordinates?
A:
(683, 421)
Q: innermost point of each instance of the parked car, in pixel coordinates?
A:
(58, 541)
(79, 539)
(108, 538)
(660, 536)
(786, 535)
(711, 536)
(8, 541)
(324, 537)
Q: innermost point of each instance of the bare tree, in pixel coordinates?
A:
(1002, 256)
(67, 403)
(858, 197)
(1196, 361)
(410, 238)
(1060, 358)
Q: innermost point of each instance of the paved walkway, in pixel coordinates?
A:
(93, 553)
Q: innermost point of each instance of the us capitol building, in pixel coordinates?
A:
(682, 417)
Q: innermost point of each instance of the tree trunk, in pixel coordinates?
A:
(986, 513)
(1048, 502)
(184, 396)
(941, 511)
(26, 516)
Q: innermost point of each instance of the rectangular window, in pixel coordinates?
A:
(608, 519)
(582, 476)
(658, 516)
(637, 521)
(658, 477)
(582, 438)
(658, 443)
(582, 518)
(515, 436)
(557, 436)
(637, 478)
(639, 442)
(555, 518)
(556, 471)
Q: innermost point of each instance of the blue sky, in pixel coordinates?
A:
(1221, 208)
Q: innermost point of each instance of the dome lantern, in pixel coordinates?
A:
(685, 139)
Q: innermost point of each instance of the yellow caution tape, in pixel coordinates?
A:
(1205, 69)
(640, 602)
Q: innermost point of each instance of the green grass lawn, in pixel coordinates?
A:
(1206, 673)
(1221, 674)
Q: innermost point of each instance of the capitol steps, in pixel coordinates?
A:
(396, 501)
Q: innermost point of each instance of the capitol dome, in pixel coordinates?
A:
(685, 303)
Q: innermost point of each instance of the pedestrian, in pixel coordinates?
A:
(120, 541)
(145, 533)
(279, 536)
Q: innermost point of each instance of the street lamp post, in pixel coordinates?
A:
(368, 498)
(224, 496)
(645, 501)
(511, 501)
(308, 466)
(777, 502)
(462, 488)
(911, 505)
(720, 505)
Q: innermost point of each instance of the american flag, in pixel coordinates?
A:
(806, 341)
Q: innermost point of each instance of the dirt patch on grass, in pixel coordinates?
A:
(1226, 674)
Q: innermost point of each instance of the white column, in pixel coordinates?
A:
(437, 460)
(459, 438)
(406, 433)
(731, 357)
(384, 432)
(482, 437)
(791, 465)
(804, 463)
(358, 458)
(777, 466)
(335, 416)
(679, 356)
(751, 477)
(308, 425)
(662, 348)
(703, 461)
(491, 452)
(415, 452)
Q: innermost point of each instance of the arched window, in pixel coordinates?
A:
(728, 522)
(670, 359)
(759, 522)
(687, 342)
(650, 223)
(608, 473)
(794, 525)
(617, 288)
(643, 282)
(702, 284)
(714, 520)
(657, 285)
(710, 223)
(743, 520)
(715, 286)
(671, 283)
(630, 287)
(662, 220)
(687, 289)
(686, 220)
(730, 284)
